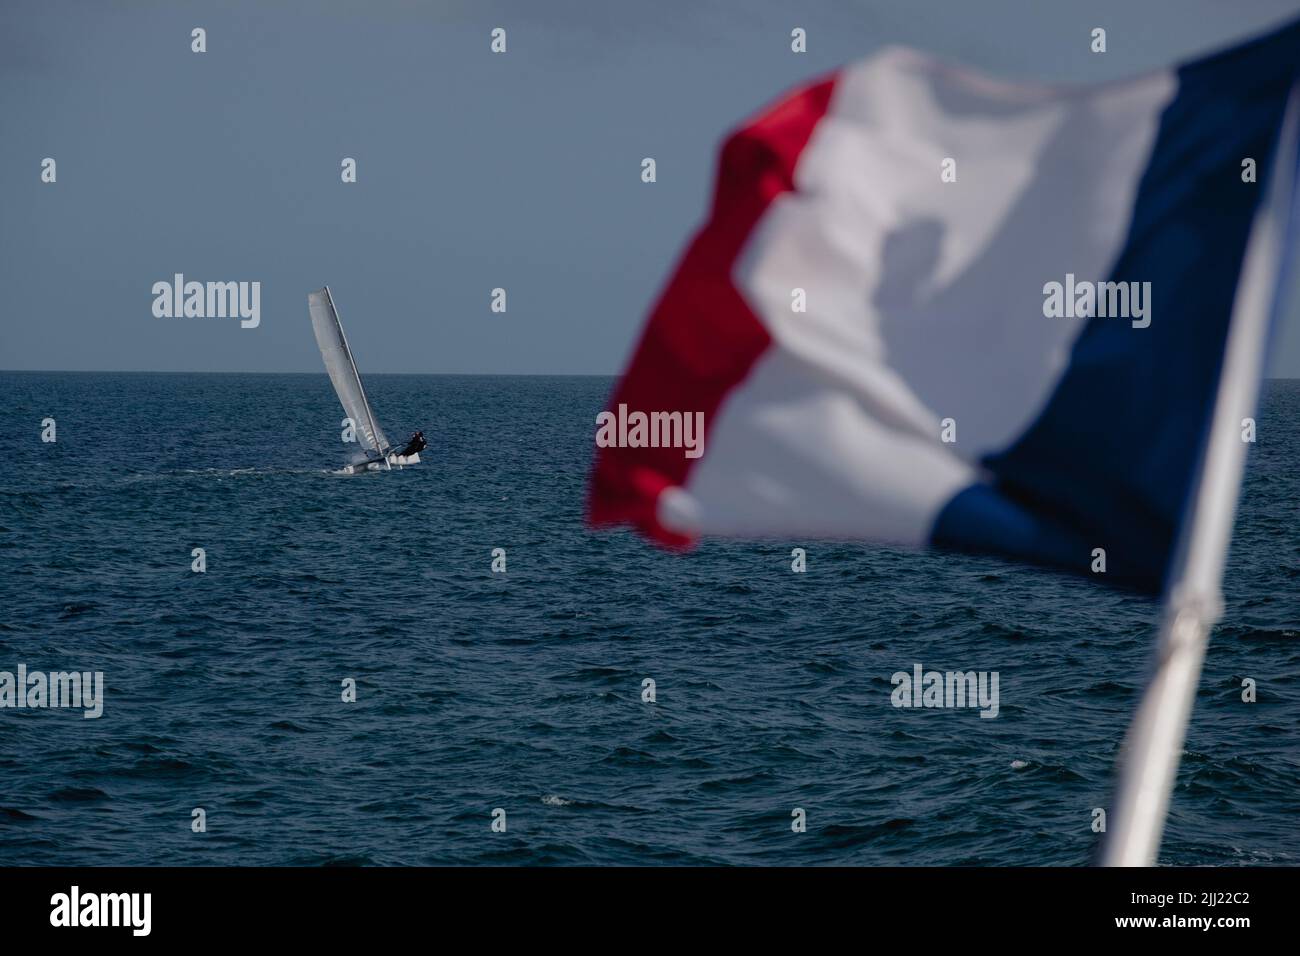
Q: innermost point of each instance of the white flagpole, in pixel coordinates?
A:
(1193, 601)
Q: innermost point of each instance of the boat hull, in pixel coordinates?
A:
(395, 460)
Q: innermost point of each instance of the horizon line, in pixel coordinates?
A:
(130, 371)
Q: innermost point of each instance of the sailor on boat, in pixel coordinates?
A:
(416, 445)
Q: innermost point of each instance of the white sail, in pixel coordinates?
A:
(343, 373)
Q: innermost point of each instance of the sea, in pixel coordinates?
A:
(349, 681)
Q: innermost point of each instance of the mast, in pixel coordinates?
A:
(1193, 601)
(374, 429)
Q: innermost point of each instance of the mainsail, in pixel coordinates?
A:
(343, 372)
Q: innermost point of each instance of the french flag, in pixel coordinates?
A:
(928, 307)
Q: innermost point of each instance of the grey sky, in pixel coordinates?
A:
(475, 170)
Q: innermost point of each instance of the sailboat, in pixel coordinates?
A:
(375, 451)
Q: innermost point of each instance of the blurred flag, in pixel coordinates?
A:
(928, 307)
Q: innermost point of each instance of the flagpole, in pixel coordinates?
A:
(1193, 600)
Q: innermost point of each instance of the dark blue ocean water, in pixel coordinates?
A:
(523, 691)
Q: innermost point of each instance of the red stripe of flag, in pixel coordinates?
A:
(702, 339)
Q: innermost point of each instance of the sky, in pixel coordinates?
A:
(474, 170)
